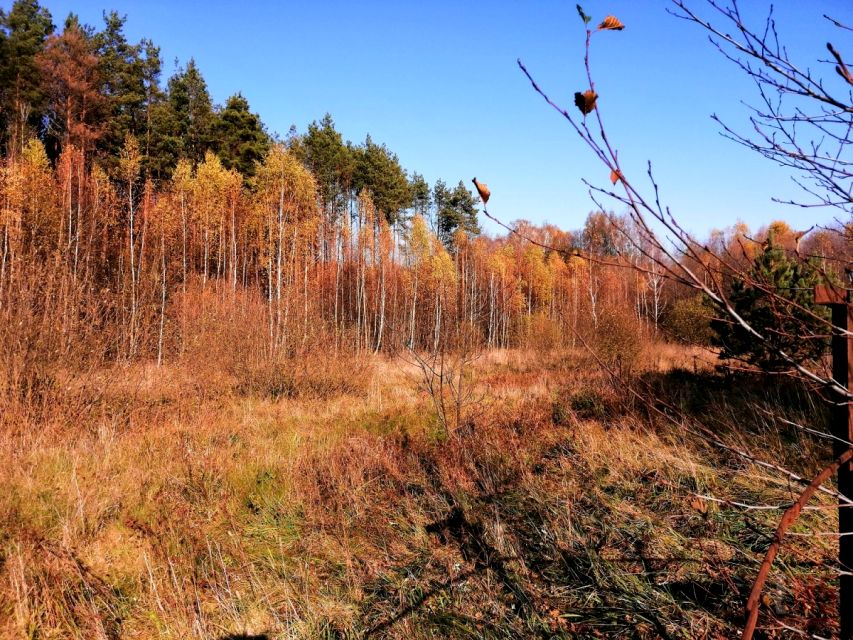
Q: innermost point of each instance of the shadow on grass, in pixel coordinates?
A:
(611, 576)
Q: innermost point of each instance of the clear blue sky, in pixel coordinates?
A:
(438, 83)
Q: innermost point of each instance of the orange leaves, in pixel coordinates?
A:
(699, 504)
(615, 176)
(611, 23)
(586, 101)
(483, 190)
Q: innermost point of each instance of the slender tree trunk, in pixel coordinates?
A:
(162, 301)
(132, 247)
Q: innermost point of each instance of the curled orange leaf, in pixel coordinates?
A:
(699, 505)
(611, 23)
(615, 176)
(586, 101)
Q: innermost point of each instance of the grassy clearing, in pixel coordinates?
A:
(183, 504)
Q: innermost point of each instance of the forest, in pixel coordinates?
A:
(256, 385)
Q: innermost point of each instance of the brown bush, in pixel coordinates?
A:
(619, 338)
(689, 321)
(545, 334)
(312, 375)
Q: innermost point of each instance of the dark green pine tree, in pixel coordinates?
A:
(421, 197)
(239, 138)
(440, 201)
(23, 31)
(784, 318)
(455, 210)
(182, 124)
(151, 67)
(323, 151)
(378, 170)
(122, 70)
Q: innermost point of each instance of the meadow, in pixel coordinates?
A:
(260, 384)
(328, 500)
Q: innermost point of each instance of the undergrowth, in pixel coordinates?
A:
(337, 509)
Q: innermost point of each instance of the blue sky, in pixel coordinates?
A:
(438, 83)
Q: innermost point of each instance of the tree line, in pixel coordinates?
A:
(130, 212)
(93, 89)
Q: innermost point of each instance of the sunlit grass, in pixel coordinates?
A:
(168, 514)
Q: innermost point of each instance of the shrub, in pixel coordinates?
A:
(311, 375)
(776, 298)
(588, 404)
(689, 321)
(618, 339)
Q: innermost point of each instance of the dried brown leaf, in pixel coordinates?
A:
(483, 190)
(586, 101)
(611, 23)
(699, 504)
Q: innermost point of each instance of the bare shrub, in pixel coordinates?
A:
(448, 381)
(53, 333)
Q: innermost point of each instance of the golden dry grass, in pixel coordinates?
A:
(177, 504)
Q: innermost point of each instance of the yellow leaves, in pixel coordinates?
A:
(442, 269)
(420, 239)
(182, 176)
(611, 23)
(578, 263)
(283, 181)
(28, 198)
(209, 190)
(35, 156)
(586, 101)
(165, 216)
(130, 159)
(557, 266)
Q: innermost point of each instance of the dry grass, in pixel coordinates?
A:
(181, 502)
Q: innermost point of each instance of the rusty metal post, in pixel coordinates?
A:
(842, 428)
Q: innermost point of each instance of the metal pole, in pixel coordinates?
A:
(842, 429)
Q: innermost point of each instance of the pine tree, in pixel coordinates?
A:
(151, 67)
(323, 151)
(378, 170)
(456, 211)
(23, 32)
(240, 139)
(182, 125)
(785, 322)
(122, 73)
(421, 198)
